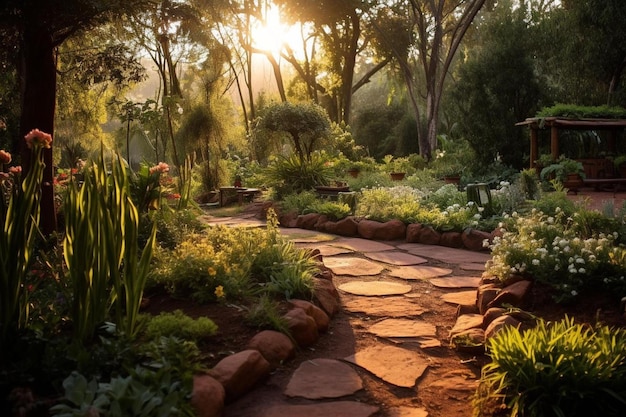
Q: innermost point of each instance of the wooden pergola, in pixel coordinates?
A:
(614, 127)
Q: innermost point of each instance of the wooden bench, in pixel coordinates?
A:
(330, 192)
(614, 183)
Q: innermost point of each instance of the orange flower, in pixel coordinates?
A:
(37, 136)
(16, 170)
(161, 168)
(5, 157)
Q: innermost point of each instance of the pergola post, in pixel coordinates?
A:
(534, 146)
(554, 142)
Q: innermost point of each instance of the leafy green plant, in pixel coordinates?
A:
(561, 168)
(298, 203)
(292, 175)
(180, 325)
(561, 369)
(106, 271)
(266, 313)
(582, 112)
(335, 210)
(19, 217)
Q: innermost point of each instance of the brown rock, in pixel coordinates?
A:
(347, 226)
(451, 240)
(517, 294)
(466, 309)
(491, 314)
(238, 373)
(470, 341)
(486, 293)
(498, 324)
(274, 346)
(207, 396)
(289, 219)
(466, 322)
(326, 295)
(321, 318)
(321, 221)
(391, 230)
(418, 233)
(323, 378)
(302, 327)
(474, 239)
(307, 221)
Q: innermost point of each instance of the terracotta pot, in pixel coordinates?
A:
(397, 176)
(452, 179)
(354, 172)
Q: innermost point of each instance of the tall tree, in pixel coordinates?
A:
(435, 30)
(42, 26)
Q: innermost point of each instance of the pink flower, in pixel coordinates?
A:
(16, 170)
(5, 157)
(161, 168)
(174, 196)
(37, 136)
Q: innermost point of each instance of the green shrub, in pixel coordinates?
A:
(292, 175)
(181, 326)
(556, 369)
(382, 204)
(298, 203)
(266, 313)
(334, 210)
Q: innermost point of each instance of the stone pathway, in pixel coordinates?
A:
(399, 303)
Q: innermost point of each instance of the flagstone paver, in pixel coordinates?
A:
(362, 245)
(403, 328)
(375, 288)
(397, 366)
(383, 307)
(356, 267)
(445, 254)
(396, 258)
(473, 266)
(327, 250)
(461, 297)
(323, 378)
(456, 282)
(419, 272)
(297, 235)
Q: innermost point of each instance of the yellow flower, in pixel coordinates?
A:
(212, 271)
(219, 291)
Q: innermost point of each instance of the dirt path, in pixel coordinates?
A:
(387, 352)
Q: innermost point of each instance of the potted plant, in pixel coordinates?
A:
(569, 172)
(396, 167)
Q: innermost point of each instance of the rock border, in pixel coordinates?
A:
(352, 226)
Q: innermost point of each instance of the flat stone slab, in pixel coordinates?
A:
(466, 322)
(305, 236)
(374, 288)
(349, 265)
(396, 258)
(419, 272)
(473, 266)
(323, 378)
(327, 409)
(461, 297)
(459, 385)
(397, 366)
(420, 342)
(403, 328)
(362, 245)
(384, 307)
(456, 282)
(326, 250)
(445, 254)
(407, 412)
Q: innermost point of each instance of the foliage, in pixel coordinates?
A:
(234, 263)
(334, 210)
(172, 226)
(147, 185)
(289, 175)
(19, 217)
(561, 369)
(386, 203)
(582, 112)
(298, 203)
(180, 325)
(265, 313)
(528, 182)
(561, 168)
(305, 124)
(107, 274)
(553, 249)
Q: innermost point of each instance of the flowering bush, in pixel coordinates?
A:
(550, 249)
(386, 203)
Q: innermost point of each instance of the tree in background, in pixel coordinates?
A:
(498, 86)
(42, 27)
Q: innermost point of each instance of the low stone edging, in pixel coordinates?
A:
(352, 226)
(237, 374)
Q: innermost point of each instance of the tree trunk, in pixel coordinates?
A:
(38, 85)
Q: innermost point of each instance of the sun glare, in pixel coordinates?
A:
(272, 35)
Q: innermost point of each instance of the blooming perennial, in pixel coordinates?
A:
(37, 136)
